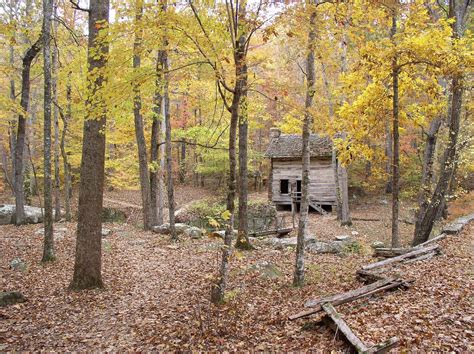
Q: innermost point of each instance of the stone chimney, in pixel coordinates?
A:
(274, 133)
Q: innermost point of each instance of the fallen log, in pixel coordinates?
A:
(390, 252)
(420, 258)
(344, 328)
(351, 337)
(402, 257)
(434, 239)
(339, 299)
(365, 219)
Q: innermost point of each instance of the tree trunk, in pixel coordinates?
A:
(54, 83)
(342, 179)
(243, 241)
(67, 167)
(298, 279)
(389, 156)
(48, 248)
(427, 172)
(156, 172)
(218, 290)
(148, 221)
(334, 161)
(30, 54)
(396, 145)
(11, 124)
(88, 262)
(457, 11)
(182, 163)
(169, 157)
(344, 189)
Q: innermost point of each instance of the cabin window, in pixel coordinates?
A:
(284, 186)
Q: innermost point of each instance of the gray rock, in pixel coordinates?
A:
(458, 225)
(325, 247)
(181, 228)
(354, 233)
(162, 229)
(453, 228)
(165, 228)
(106, 232)
(193, 232)
(282, 243)
(18, 264)
(342, 238)
(33, 215)
(377, 244)
(11, 298)
(266, 270)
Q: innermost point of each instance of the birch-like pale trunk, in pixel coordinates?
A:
(298, 278)
(48, 246)
(148, 220)
(54, 87)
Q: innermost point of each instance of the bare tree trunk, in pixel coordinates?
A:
(396, 144)
(298, 278)
(67, 167)
(11, 123)
(48, 248)
(334, 160)
(30, 54)
(389, 156)
(218, 290)
(156, 172)
(54, 83)
(342, 179)
(427, 172)
(88, 260)
(457, 11)
(243, 241)
(169, 156)
(148, 220)
(182, 163)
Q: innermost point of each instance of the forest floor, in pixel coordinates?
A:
(157, 292)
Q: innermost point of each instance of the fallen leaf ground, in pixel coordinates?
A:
(157, 292)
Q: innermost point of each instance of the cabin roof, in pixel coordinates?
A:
(290, 146)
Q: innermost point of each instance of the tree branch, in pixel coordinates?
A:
(75, 5)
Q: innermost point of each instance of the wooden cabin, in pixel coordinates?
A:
(284, 182)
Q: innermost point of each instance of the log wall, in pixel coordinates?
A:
(322, 183)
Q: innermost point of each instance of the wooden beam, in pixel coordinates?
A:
(352, 338)
(339, 299)
(344, 328)
(402, 257)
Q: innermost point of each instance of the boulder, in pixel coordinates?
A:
(342, 238)
(18, 264)
(282, 243)
(266, 270)
(11, 298)
(193, 232)
(162, 229)
(377, 244)
(165, 228)
(33, 215)
(106, 232)
(326, 247)
(220, 234)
